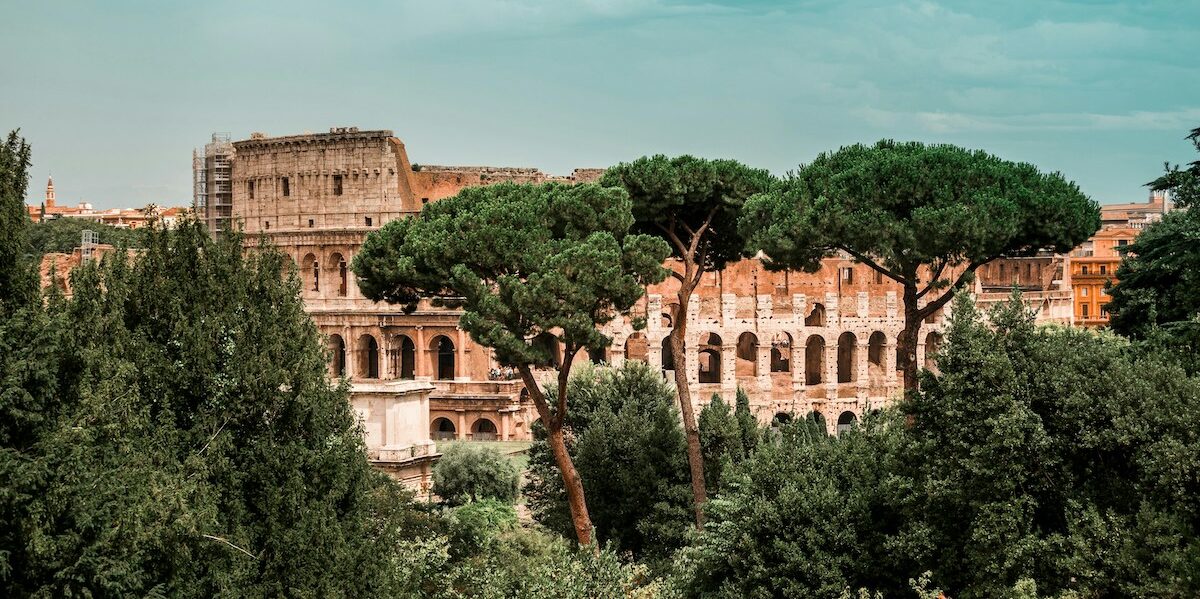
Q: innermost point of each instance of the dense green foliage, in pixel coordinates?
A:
(925, 216)
(629, 449)
(17, 282)
(727, 436)
(176, 434)
(524, 259)
(1052, 457)
(64, 234)
(676, 197)
(470, 472)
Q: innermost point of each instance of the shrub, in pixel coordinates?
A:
(473, 472)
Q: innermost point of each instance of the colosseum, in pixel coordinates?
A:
(797, 343)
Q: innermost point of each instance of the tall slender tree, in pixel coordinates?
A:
(925, 216)
(526, 263)
(17, 282)
(693, 204)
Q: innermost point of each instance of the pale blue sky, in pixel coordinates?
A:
(114, 95)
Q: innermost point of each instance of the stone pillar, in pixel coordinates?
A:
(654, 350)
(799, 308)
(797, 355)
(460, 357)
(462, 424)
(421, 356)
(351, 344)
(692, 350)
(386, 371)
(763, 366)
(892, 305)
(728, 368)
(862, 370)
(831, 359)
(505, 426)
(654, 314)
(864, 304)
(833, 316)
(889, 363)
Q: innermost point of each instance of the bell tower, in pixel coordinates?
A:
(50, 193)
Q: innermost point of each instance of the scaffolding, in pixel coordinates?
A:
(212, 179)
(87, 244)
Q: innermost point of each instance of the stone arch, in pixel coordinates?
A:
(816, 317)
(781, 418)
(367, 353)
(814, 360)
(310, 271)
(746, 355)
(442, 429)
(781, 352)
(933, 343)
(709, 358)
(668, 355)
(404, 357)
(597, 356)
(442, 349)
(337, 346)
(484, 430)
(636, 347)
(339, 273)
(847, 352)
(846, 421)
(875, 347)
(549, 344)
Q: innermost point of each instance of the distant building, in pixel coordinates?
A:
(124, 218)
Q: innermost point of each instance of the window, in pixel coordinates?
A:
(266, 224)
(250, 188)
(848, 275)
(287, 188)
(424, 201)
(310, 223)
(1103, 292)
(1122, 242)
(1083, 291)
(368, 221)
(1084, 310)
(878, 278)
(1104, 310)
(337, 185)
(1103, 269)
(1083, 270)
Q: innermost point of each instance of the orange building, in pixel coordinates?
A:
(1093, 269)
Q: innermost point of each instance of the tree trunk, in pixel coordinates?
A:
(562, 458)
(690, 429)
(906, 343)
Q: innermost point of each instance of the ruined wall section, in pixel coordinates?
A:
(345, 179)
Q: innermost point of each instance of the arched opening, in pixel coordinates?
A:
(847, 352)
(442, 429)
(816, 317)
(337, 346)
(443, 347)
(596, 355)
(814, 360)
(524, 394)
(747, 355)
(875, 346)
(933, 343)
(404, 357)
(483, 430)
(368, 357)
(781, 419)
(337, 263)
(636, 347)
(781, 352)
(846, 422)
(709, 357)
(668, 355)
(310, 269)
(549, 348)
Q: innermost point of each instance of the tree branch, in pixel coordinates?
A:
(937, 273)
(700, 232)
(539, 397)
(226, 541)
(869, 262)
(933, 306)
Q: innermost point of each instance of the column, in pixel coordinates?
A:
(728, 369)
(831, 359)
(420, 372)
(889, 363)
(861, 370)
(386, 370)
(460, 357)
(462, 424)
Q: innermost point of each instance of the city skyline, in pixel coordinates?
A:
(114, 97)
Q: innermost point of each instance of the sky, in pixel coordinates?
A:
(113, 96)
